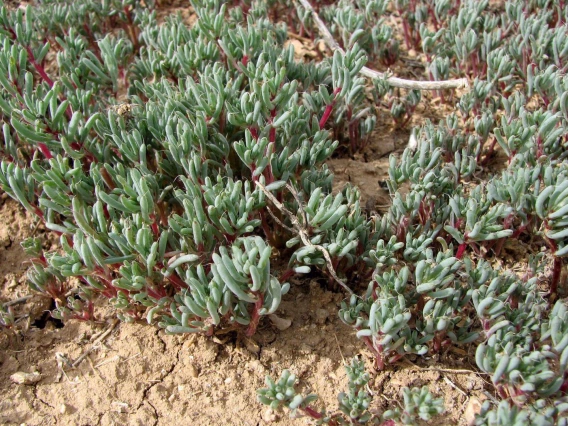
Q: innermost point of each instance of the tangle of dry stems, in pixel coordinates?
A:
(301, 231)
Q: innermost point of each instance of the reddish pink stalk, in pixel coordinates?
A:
(38, 212)
(177, 282)
(312, 413)
(272, 134)
(329, 109)
(255, 316)
(564, 388)
(40, 70)
(326, 114)
(45, 151)
(154, 225)
(556, 271)
(461, 250)
(156, 294)
(286, 275)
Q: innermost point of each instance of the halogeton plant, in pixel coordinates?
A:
(182, 169)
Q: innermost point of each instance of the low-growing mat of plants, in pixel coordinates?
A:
(284, 212)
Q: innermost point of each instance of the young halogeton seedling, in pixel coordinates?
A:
(182, 169)
(354, 404)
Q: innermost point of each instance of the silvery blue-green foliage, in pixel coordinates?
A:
(538, 413)
(364, 22)
(551, 206)
(226, 289)
(353, 404)
(283, 393)
(418, 403)
(155, 198)
(338, 224)
(446, 221)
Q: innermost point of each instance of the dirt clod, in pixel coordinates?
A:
(21, 378)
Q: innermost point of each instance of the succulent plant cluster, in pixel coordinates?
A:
(354, 405)
(143, 148)
(168, 159)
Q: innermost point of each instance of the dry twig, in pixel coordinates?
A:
(456, 387)
(368, 72)
(302, 232)
(444, 370)
(19, 300)
(96, 342)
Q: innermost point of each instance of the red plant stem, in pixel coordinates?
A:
(438, 341)
(461, 250)
(556, 271)
(107, 178)
(132, 29)
(45, 150)
(329, 109)
(272, 134)
(254, 132)
(40, 70)
(401, 229)
(564, 388)
(39, 213)
(326, 114)
(380, 360)
(177, 282)
(286, 275)
(255, 316)
(31, 58)
(312, 413)
(406, 33)
(380, 364)
(154, 225)
(156, 294)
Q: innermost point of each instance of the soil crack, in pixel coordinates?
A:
(156, 417)
(161, 380)
(36, 396)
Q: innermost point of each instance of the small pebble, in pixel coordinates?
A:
(280, 323)
(252, 346)
(22, 378)
(269, 416)
(473, 408)
(193, 370)
(321, 315)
